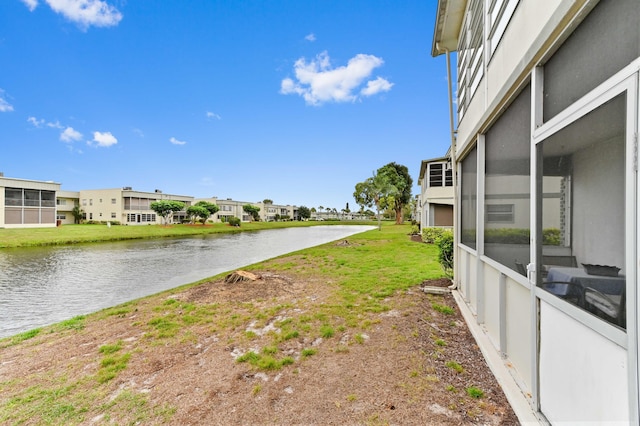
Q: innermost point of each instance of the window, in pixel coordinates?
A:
(84, 201)
(113, 215)
(584, 164)
(61, 217)
(61, 202)
(48, 198)
(90, 216)
(440, 174)
(147, 217)
(499, 213)
(13, 197)
(470, 52)
(605, 42)
(32, 197)
(113, 201)
(500, 12)
(90, 201)
(468, 204)
(435, 174)
(507, 197)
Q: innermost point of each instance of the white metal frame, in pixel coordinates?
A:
(625, 81)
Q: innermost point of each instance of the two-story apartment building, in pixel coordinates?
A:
(546, 159)
(436, 192)
(270, 212)
(127, 206)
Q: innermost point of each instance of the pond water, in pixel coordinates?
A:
(44, 285)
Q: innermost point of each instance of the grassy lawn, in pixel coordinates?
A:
(70, 234)
(360, 279)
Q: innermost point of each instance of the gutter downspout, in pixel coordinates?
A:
(454, 173)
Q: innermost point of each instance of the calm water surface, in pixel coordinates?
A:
(44, 285)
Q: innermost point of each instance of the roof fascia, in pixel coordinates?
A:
(449, 17)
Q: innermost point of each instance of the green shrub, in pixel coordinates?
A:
(233, 221)
(551, 237)
(506, 236)
(445, 251)
(429, 235)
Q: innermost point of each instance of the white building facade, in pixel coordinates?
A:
(436, 193)
(546, 156)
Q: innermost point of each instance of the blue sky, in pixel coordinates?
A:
(296, 101)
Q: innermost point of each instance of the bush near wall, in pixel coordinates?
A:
(444, 241)
(233, 221)
(429, 235)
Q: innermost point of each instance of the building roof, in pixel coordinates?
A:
(447, 28)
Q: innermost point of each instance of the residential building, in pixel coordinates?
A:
(271, 212)
(436, 193)
(229, 208)
(31, 203)
(127, 206)
(66, 201)
(27, 203)
(545, 154)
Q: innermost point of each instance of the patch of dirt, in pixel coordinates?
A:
(412, 364)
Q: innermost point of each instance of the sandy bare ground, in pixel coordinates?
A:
(411, 365)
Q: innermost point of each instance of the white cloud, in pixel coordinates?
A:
(70, 135)
(317, 82)
(376, 86)
(39, 122)
(213, 115)
(4, 105)
(31, 4)
(35, 121)
(105, 139)
(310, 37)
(87, 12)
(176, 141)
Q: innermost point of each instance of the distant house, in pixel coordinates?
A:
(271, 212)
(546, 163)
(436, 192)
